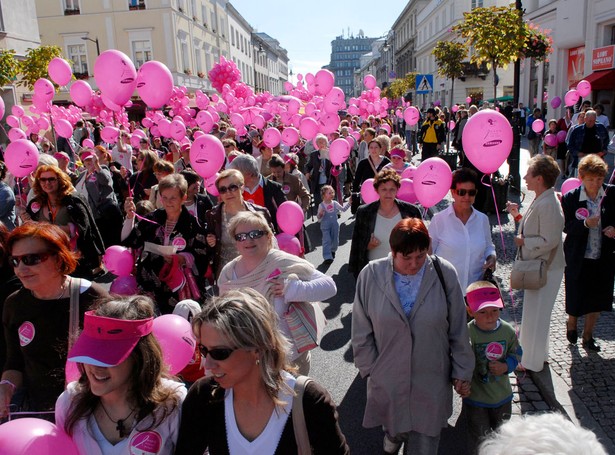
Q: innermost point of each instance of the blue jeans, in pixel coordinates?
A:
(330, 235)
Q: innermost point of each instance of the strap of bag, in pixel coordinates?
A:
(436, 265)
(73, 321)
(371, 163)
(300, 428)
(549, 260)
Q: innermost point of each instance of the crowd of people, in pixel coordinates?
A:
(418, 283)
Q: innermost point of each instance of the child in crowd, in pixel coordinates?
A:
(497, 353)
(328, 210)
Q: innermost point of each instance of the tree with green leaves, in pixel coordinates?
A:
(449, 58)
(399, 87)
(9, 67)
(495, 35)
(35, 64)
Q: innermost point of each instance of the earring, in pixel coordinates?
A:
(258, 361)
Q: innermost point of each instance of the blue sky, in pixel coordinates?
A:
(305, 29)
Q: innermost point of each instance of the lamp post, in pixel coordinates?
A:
(85, 38)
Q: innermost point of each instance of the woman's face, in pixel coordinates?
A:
(172, 200)
(49, 182)
(374, 148)
(409, 264)
(89, 164)
(398, 161)
(395, 142)
(252, 248)
(110, 382)
(532, 181)
(387, 191)
(592, 182)
(236, 369)
(40, 276)
(140, 162)
(464, 195)
(193, 190)
(231, 190)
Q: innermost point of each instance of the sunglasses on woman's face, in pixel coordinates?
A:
(224, 189)
(470, 193)
(29, 259)
(243, 236)
(48, 179)
(216, 354)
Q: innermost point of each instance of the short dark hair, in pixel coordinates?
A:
(191, 176)
(276, 161)
(546, 167)
(464, 175)
(408, 236)
(387, 175)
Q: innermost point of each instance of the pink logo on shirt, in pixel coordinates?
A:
(180, 243)
(286, 189)
(35, 207)
(494, 351)
(26, 333)
(329, 208)
(146, 443)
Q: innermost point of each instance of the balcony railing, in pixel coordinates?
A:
(72, 11)
(473, 70)
(136, 5)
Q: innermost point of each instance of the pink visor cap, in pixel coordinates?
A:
(483, 298)
(107, 342)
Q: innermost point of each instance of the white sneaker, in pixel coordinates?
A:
(390, 446)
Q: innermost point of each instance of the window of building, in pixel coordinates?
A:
(71, 7)
(136, 4)
(184, 56)
(477, 4)
(141, 52)
(204, 15)
(181, 6)
(237, 38)
(232, 35)
(79, 58)
(612, 34)
(193, 9)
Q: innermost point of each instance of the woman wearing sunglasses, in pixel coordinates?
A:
(124, 402)
(461, 234)
(230, 202)
(36, 318)
(245, 405)
(56, 201)
(281, 277)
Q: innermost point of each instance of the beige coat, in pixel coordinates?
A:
(410, 362)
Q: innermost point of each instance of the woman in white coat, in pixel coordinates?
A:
(540, 237)
(410, 339)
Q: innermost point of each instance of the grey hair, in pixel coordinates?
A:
(246, 164)
(47, 160)
(256, 219)
(174, 181)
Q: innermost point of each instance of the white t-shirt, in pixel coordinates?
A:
(125, 159)
(382, 231)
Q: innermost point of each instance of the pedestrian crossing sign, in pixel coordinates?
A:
(424, 83)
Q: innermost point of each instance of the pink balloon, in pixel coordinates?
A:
(584, 88)
(63, 128)
(165, 127)
(259, 122)
(115, 75)
(124, 285)
(308, 128)
(328, 123)
(35, 436)
(368, 192)
(451, 125)
(155, 84)
(455, 108)
(27, 121)
(334, 101)
(16, 133)
(81, 93)
(433, 179)
(487, 141)
(174, 334)
(561, 136)
(21, 157)
(12, 121)
(369, 82)
(469, 99)
(324, 80)
(110, 104)
(551, 140)
(570, 184)
(59, 71)
(118, 260)
(556, 102)
(289, 243)
(2, 108)
(386, 128)
(290, 217)
(290, 136)
(110, 134)
(538, 125)
(177, 130)
(210, 185)
(412, 115)
(571, 97)
(272, 137)
(406, 191)
(205, 121)
(43, 89)
(207, 155)
(87, 143)
(17, 111)
(339, 151)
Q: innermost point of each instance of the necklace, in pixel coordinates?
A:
(63, 289)
(119, 423)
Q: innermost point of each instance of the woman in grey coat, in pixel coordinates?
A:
(410, 339)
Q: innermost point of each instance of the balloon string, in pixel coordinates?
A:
(142, 218)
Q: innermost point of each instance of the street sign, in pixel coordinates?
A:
(424, 83)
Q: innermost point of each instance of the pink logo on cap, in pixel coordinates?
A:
(146, 443)
(494, 351)
(26, 333)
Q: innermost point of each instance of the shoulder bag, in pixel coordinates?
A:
(306, 321)
(300, 428)
(530, 273)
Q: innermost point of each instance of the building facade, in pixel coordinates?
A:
(346, 53)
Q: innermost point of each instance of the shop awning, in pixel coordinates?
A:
(602, 80)
(501, 98)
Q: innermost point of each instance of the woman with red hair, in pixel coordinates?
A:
(37, 319)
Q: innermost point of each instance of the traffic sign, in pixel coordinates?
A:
(424, 83)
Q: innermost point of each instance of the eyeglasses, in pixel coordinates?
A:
(227, 146)
(216, 354)
(47, 179)
(29, 259)
(255, 234)
(470, 193)
(224, 189)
